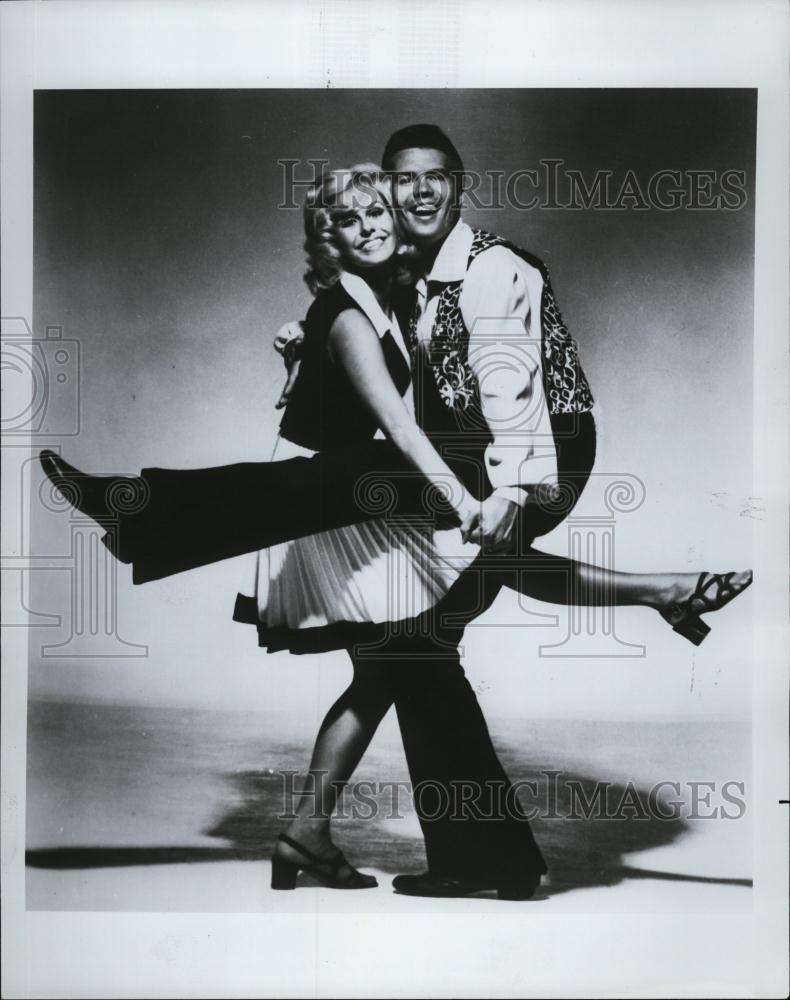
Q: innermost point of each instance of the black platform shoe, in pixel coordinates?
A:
(334, 872)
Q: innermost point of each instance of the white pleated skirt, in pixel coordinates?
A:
(375, 571)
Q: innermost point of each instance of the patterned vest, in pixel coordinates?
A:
(565, 385)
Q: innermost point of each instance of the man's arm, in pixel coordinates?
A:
(497, 310)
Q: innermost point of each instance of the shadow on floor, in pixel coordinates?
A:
(580, 851)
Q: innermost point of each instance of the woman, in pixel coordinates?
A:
(328, 589)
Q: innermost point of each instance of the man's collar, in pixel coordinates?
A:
(453, 257)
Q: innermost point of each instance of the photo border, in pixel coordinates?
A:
(502, 44)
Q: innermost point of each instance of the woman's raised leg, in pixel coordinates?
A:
(560, 580)
(680, 598)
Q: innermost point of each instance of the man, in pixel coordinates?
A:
(479, 395)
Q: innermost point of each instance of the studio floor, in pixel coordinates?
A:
(176, 810)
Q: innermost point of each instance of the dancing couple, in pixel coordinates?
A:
(437, 422)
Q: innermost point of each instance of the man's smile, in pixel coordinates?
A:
(425, 211)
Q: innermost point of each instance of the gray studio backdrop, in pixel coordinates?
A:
(160, 248)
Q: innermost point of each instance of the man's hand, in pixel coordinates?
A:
(493, 527)
(287, 341)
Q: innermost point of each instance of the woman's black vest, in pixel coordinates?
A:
(324, 410)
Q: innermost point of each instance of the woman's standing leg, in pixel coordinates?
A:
(342, 740)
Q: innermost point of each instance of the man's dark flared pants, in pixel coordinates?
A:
(472, 822)
(473, 825)
(180, 519)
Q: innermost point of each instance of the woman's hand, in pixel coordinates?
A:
(287, 342)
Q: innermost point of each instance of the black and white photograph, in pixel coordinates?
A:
(387, 535)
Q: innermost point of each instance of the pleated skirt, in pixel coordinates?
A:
(328, 590)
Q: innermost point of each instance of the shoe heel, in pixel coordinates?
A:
(518, 890)
(693, 628)
(283, 874)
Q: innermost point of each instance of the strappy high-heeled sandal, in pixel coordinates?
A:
(684, 616)
(284, 872)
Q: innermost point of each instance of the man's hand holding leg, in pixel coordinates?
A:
(493, 527)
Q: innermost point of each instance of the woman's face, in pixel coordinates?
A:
(363, 228)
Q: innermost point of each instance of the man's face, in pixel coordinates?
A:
(423, 193)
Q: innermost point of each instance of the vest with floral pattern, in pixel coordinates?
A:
(565, 385)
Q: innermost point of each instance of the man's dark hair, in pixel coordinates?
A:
(421, 137)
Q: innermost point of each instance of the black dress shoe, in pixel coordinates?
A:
(429, 884)
(100, 497)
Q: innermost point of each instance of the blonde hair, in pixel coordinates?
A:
(324, 258)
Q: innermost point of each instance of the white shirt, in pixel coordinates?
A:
(500, 305)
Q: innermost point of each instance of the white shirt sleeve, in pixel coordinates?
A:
(504, 355)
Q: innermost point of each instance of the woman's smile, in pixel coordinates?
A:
(368, 246)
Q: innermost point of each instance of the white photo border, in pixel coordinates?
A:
(299, 43)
